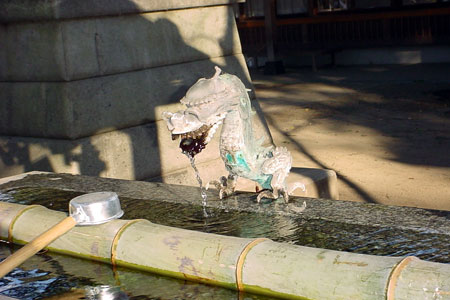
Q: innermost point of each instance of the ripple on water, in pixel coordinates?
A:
(300, 231)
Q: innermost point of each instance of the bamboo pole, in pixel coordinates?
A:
(253, 265)
(37, 244)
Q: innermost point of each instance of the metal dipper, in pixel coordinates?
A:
(88, 209)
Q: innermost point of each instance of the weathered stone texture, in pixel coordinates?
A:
(34, 51)
(83, 48)
(85, 107)
(3, 70)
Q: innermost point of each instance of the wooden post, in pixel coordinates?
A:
(312, 7)
(386, 29)
(269, 25)
(272, 66)
(241, 11)
(396, 3)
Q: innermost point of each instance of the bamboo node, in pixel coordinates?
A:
(116, 238)
(13, 221)
(241, 260)
(395, 274)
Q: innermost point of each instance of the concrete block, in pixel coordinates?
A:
(33, 49)
(3, 66)
(32, 108)
(85, 107)
(163, 38)
(37, 10)
(84, 48)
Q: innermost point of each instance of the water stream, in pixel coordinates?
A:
(200, 182)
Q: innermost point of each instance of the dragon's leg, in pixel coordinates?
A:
(279, 166)
(285, 195)
(225, 185)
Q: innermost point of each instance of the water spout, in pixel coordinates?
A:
(224, 100)
(200, 182)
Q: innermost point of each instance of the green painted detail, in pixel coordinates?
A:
(241, 161)
(265, 181)
(236, 162)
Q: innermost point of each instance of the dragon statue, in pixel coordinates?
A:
(224, 99)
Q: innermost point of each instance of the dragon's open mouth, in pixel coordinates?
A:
(194, 142)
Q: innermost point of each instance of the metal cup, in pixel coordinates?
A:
(95, 208)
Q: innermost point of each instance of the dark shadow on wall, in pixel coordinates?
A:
(17, 155)
(141, 89)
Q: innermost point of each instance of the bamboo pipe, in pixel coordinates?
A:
(253, 265)
(88, 209)
(37, 244)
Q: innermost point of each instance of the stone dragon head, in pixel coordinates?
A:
(207, 103)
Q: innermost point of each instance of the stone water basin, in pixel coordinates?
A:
(337, 225)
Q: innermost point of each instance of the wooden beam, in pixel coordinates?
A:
(396, 3)
(351, 17)
(269, 26)
(312, 7)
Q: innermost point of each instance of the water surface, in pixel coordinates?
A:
(48, 275)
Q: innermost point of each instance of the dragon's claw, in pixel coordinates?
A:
(285, 196)
(295, 185)
(225, 185)
(275, 194)
(264, 193)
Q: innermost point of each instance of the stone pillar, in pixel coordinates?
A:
(83, 82)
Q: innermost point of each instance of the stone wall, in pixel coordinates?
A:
(83, 83)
